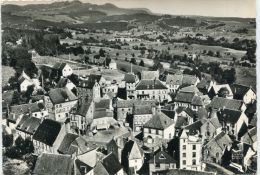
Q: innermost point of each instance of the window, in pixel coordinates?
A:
(194, 154)
(193, 147)
(184, 147)
(194, 162)
(162, 156)
(157, 165)
(184, 162)
(183, 154)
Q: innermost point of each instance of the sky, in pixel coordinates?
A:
(219, 8)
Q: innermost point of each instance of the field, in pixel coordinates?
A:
(246, 76)
(7, 73)
(127, 66)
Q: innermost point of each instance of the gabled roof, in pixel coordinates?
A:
(220, 102)
(162, 157)
(53, 164)
(28, 124)
(150, 75)
(169, 113)
(159, 121)
(131, 103)
(240, 90)
(63, 82)
(229, 116)
(133, 150)
(81, 145)
(59, 66)
(180, 122)
(181, 79)
(139, 110)
(150, 84)
(82, 109)
(184, 172)
(101, 113)
(61, 95)
(66, 142)
(103, 104)
(100, 169)
(191, 89)
(204, 84)
(129, 78)
(219, 141)
(81, 167)
(47, 132)
(111, 164)
(250, 137)
(194, 127)
(187, 97)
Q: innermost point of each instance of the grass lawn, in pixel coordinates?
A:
(127, 66)
(7, 73)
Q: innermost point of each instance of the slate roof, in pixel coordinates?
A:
(229, 116)
(66, 142)
(194, 127)
(220, 102)
(129, 78)
(53, 164)
(162, 157)
(139, 110)
(28, 124)
(187, 97)
(61, 95)
(150, 85)
(169, 113)
(159, 121)
(47, 132)
(131, 103)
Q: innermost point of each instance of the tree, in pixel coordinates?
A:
(142, 51)
(223, 92)
(102, 52)
(141, 63)
(88, 51)
(28, 146)
(20, 143)
(7, 140)
(133, 61)
(210, 53)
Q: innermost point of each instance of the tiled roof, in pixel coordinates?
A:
(149, 75)
(181, 121)
(162, 157)
(28, 124)
(103, 104)
(129, 78)
(194, 127)
(139, 110)
(159, 121)
(187, 97)
(150, 84)
(221, 140)
(190, 89)
(47, 132)
(61, 95)
(66, 142)
(83, 108)
(62, 82)
(131, 103)
(111, 164)
(181, 79)
(53, 164)
(100, 169)
(204, 84)
(81, 145)
(220, 102)
(100, 113)
(229, 116)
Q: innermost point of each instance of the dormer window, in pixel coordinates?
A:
(162, 157)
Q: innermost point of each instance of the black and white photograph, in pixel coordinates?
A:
(129, 87)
